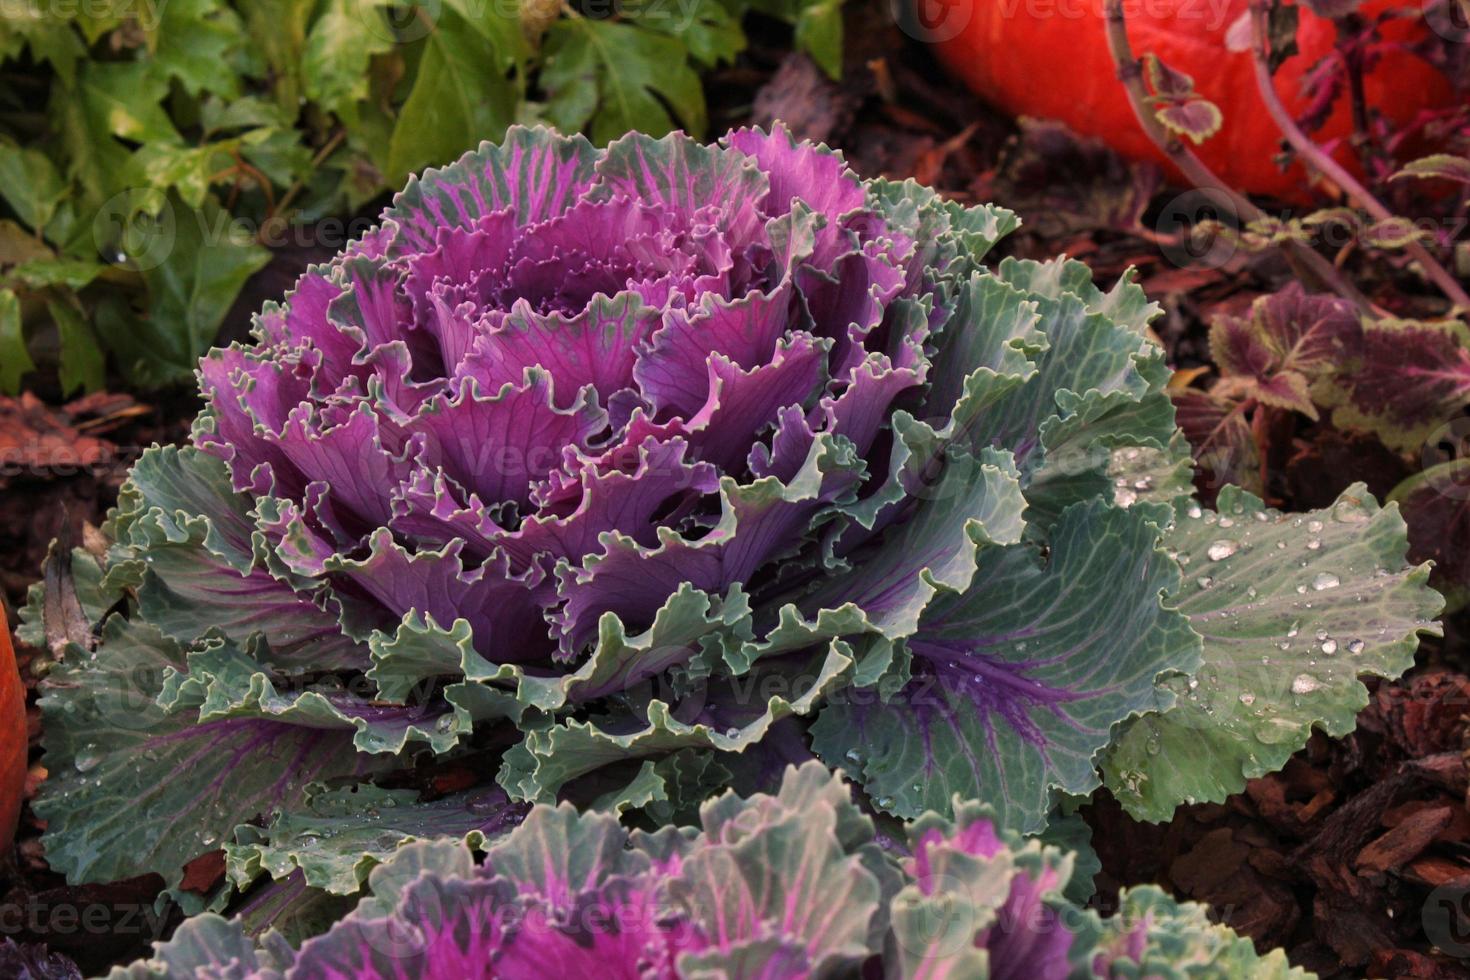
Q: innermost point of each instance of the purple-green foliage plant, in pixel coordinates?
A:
(616, 475)
(789, 885)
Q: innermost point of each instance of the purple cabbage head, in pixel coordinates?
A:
(546, 359)
(786, 886)
(619, 476)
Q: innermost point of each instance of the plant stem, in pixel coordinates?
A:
(1307, 264)
(1313, 154)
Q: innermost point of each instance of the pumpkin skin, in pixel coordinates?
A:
(12, 737)
(1050, 59)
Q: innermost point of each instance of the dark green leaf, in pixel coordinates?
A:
(819, 34)
(81, 357)
(459, 98)
(30, 184)
(192, 289)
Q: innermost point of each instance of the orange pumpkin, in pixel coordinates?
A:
(12, 737)
(1049, 59)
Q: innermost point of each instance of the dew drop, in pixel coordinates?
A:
(88, 758)
(1221, 549)
(1304, 684)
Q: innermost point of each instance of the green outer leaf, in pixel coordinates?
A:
(1268, 677)
(1095, 638)
(547, 759)
(338, 836)
(223, 682)
(15, 360)
(208, 567)
(134, 789)
(1152, 477)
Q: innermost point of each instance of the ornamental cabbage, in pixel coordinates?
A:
(614, 477)
(793, 884)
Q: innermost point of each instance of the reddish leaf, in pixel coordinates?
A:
(12, 737)
(1405, 378)
(1392, 232)
(1436, 505)
(1289, 390)
(1165, 81)
(1441, 165)
(1220, 435)
(1292, 330)
(1199, 119)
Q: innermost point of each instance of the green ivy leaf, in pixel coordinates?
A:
(338, 49)
(459, 97)
(619, 77)
(710, 31)
(30, 184)
(819, 34)
(68, 273)
(194, 41)
(15, 360)
(127, 97)
(193, 287)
